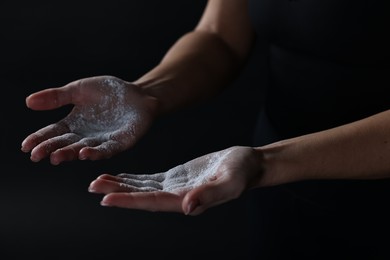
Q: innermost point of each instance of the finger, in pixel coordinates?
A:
(208, 195)
(71, 151)
(150, 201)
(155, 177)
(45, 148)
(103, 151)
(42, 135)
(110, 177)
(107, 180)
(144, 183)
(137, 180)
(148, 184)
(51, 98)
(119, 141)
(108, 186)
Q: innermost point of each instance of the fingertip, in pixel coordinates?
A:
(105, 176)
(54, 158)
(106, 201)
(190, 202)
(91, 187)
(34, 101)
(54, 161)
(27, 101)
(83, 154)
(201, 198)
(24, 149)
(191, 207)
(46, 99)
(98, 185)
(88, 153)
(26, 145)
(34, 158)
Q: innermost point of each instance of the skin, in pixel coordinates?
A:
(197, 67)
(72, 138)
(176, 192)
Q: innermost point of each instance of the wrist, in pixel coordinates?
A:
(280, 163)
(152, 89)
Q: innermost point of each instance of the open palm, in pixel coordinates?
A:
(109, 116)
(191, 188)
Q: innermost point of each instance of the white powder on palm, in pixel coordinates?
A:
(111, 115)
(179, 179)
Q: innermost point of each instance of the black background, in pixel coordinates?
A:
(46, 211)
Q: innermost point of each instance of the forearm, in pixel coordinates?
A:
(359, 150)
(198, 66)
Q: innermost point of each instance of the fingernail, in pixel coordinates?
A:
(54, 161)
(104, 203)
(92, 190)
(82, 156)
(191, 207)
(23, 147)
(34, 159)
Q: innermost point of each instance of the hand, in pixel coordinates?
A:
(190, 188)
(109, 116)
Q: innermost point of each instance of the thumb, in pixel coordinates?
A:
(208, 195)
(51, 98)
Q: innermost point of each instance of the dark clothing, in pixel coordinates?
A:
(329, 61)
(329, 64)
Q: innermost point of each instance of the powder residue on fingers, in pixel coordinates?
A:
(193, 173)
(179, 179)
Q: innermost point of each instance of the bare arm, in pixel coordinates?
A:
(203, 61)
(359, 150)
(197, 66)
